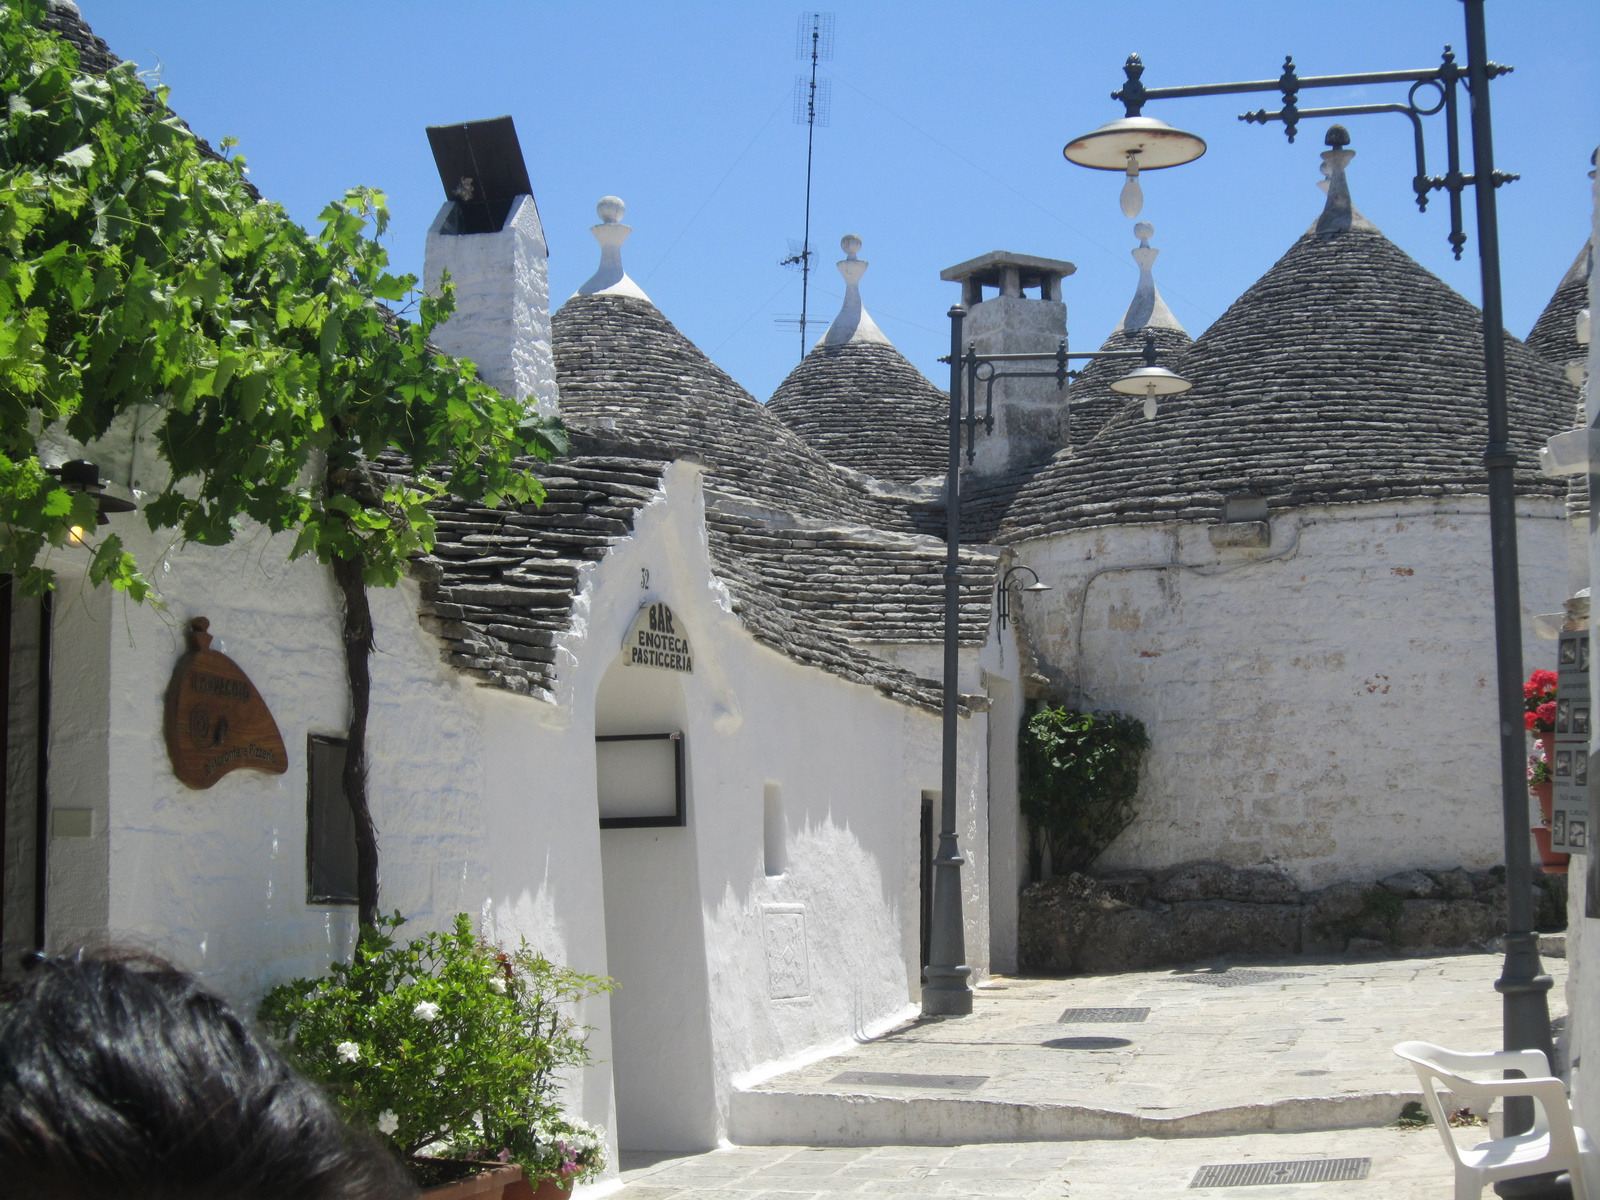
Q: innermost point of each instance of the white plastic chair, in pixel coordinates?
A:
(1553, 1144)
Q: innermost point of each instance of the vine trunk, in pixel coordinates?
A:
(347, 572)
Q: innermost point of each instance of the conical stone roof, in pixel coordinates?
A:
(858, 402)
(1555, 334)
(620, 360)
(863, 406)
(1347, 373)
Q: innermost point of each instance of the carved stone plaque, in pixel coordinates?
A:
(788, 975)
(216, 720)
(656, 640)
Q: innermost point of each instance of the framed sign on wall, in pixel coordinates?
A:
(640, 780)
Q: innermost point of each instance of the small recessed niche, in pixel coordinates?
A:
(72, 822)
(774, 830)
(1247, 506)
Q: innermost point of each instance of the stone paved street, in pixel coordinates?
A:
(1281, 1062)
(1301, 1044)
(1406, 1165)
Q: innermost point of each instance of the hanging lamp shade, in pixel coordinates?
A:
(1150, 381)
(1156, 144)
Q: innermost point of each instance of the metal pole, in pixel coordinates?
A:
(944, 980)
(1522, 982)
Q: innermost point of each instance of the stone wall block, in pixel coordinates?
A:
(1411, 885)
(1443, 923)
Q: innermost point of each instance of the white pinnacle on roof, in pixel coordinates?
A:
(1148, 310)
(609, 278)
(1339, 214)
(853, 324)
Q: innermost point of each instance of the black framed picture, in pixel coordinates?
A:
(639, 778)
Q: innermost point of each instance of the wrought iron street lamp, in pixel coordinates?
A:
(945, 992)
(1522, 982)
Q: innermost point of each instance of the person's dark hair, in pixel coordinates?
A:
(121, 1078)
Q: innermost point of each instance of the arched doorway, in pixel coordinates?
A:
(655, 935)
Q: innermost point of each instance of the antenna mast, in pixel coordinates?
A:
(812, 107)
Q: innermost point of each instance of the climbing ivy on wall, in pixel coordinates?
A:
(1078, 775)
(140, 273)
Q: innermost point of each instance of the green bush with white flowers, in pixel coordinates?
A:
(447, 1046)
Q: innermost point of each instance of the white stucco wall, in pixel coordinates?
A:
(485, 803)
(1325, 705)
(502, 317)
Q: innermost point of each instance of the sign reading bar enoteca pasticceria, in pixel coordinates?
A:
(656, 641)
(216, 720)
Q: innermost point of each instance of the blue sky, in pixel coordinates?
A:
(945, 139)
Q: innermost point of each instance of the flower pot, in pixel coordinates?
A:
(551, 1189)
(494, 1182)
(1549, 860)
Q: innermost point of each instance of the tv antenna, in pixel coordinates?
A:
(813, 106)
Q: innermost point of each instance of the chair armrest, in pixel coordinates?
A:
(1531, 1063)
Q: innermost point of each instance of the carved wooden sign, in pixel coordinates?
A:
(216, 720)
(656, 641)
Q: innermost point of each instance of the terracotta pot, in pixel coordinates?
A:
(550, 1189)
(1544, 793)
(494, 1182)
(1552, 863)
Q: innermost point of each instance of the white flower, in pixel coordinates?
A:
(388, 1123)
(426, 1010)
(348, 1051)
(497, 984)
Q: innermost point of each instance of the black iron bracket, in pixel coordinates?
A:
(975, 365)
(1446, 79)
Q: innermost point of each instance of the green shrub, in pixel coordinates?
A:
(446, 1044)
(1079, 773)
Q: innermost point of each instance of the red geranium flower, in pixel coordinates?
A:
(1546, 713)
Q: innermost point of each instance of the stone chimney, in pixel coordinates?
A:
(1003, 318)
(489, 238)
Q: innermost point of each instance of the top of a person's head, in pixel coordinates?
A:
(121, 1078)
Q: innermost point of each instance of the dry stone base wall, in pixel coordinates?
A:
(1134, 920)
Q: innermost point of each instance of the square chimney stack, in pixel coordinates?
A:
(1003, 318)
(489, 237)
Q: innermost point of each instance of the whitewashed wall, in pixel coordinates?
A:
(1325, 705)
(485, 803)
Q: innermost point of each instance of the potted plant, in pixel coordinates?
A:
(450, 1049)
(1539, 698)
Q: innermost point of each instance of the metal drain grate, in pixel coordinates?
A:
(1313, 1170)
(1238, 977)
(1087, 1043)
(1103, 1016)
(954, 1083)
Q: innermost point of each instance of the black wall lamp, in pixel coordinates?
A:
(80, 475)
(1004, 605)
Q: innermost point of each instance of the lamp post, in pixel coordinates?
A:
(945, 992)
(1138, 139)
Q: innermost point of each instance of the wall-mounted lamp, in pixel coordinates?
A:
(1006, 585)
(79, 475)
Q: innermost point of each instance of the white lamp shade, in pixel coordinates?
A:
(1151, 381)
(1155, 142)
